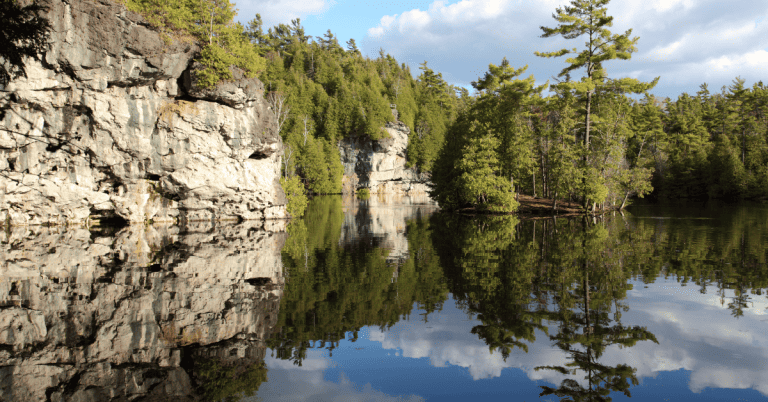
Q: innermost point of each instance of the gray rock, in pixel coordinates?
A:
(380, 165)
(237, 93)
(99, 130)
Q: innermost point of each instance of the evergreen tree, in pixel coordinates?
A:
(590, 18)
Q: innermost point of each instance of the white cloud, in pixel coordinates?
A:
(686, 42)
(275, 12)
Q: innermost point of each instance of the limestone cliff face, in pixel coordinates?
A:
(380, 165)
(109, 124)
(92, 317)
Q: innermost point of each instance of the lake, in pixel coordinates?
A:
(389, 299)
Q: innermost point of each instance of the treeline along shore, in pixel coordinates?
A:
(583, 139)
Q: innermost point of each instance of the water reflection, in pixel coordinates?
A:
(385, 300)
(568, 281)
(148, 313)
(349, 273)
(568, 284)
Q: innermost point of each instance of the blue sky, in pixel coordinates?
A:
(686, 42)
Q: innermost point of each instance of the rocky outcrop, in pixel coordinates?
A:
(106, 127)
(138, 315)
(380, 165)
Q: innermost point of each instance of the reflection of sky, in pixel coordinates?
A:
(703, 354)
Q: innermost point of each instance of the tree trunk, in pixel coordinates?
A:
(554, 203)
(588, 121)
(624, 202)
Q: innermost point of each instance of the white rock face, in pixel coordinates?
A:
(91, 318)
(380, 165)
(102, 129)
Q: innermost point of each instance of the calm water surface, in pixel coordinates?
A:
(384, 300)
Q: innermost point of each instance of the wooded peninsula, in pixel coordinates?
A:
(583, 137)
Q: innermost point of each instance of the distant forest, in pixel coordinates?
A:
(593, 139)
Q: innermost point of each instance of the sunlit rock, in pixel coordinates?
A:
(102, 128)
(380, 165)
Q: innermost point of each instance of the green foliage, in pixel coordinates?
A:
(297, 199)
(715, 145)
(479, 181)
(211, 23)
(335, 288)
(24, 34)
(333, 93)
(363, 193)
(221, 383)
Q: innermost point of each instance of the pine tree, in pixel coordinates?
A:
(590, 18)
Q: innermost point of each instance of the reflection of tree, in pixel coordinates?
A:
(728, 250)
(562, 271)
(336, 289)
(586, 329)
(492, 274)
(225, 383)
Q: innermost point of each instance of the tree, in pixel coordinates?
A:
(23, 33)
(352, 47)
(481, 183)
(211, 22)
(590, 18)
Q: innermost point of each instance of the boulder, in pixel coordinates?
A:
(237, 93)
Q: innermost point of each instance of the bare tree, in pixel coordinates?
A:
(422, 128)
(281, 111)
(307, 125)
(287, 153)
(396, 87)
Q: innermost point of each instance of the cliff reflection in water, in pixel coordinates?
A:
(148, 313)
(589, 307)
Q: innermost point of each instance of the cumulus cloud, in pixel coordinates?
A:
(275, 12)
(686, 42)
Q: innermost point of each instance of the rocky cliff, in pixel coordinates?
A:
(380, 165)
(109, 124)
(149, 313)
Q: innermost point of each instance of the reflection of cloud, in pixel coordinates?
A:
(288, 382)
(695, 333)
(447, 340)
(720, 350)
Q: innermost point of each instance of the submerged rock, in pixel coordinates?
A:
(105, 127)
